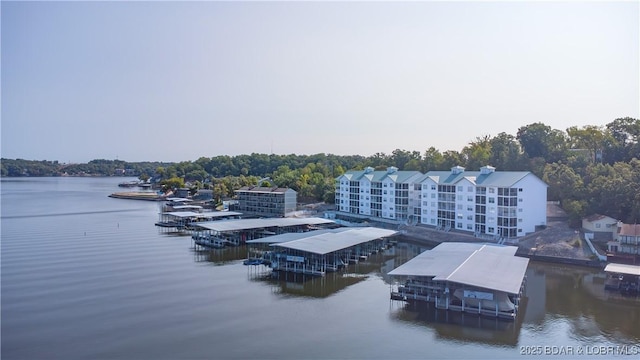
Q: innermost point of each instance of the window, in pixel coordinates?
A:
(433, 187)
(492, 190)
(597, 226)
(459, 225)
(469, 198)
(492, 200)
(470, 189)
(459, 206)
(433, 204)
(519, 220)
(490, 230)
(459, 188)
(520, 210)
(433, 195)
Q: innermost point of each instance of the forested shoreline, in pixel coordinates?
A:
(589, 169)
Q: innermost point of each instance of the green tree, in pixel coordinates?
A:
(477, 153)
(506, 154)
(433, 160)
(540, 140)
(172, 183)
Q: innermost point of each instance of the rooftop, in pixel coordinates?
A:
(247, 224)
(333, 241)
(483, 265)
(623, 269)
(292, 236)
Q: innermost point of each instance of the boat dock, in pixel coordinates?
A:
(185, 220)
(483, 279)
(238, 231)
(319, 253)
(624, 278)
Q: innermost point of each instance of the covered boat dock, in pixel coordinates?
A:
(623, 277)
(484, 279)
(317, 254)
(183, 220)
(238, 231)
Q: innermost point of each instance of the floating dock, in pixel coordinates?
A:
(186, 220)
(238, 231)
(482, 279)
(317, 254)
(623, 277)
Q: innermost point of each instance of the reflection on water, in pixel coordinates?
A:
(572, 294)
(577, 295)
(452, 325)
(222, 256)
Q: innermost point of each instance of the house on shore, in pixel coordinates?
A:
(625, 246)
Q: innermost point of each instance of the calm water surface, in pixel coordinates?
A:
(87, 276)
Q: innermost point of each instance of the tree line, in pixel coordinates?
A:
(589, 169)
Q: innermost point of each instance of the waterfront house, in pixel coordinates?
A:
(626, 240)
(602, 227)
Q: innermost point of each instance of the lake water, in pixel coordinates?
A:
(87, 276)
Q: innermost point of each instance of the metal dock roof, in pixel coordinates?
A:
(292, 236)
(205, 215)
(247, 224)
(623, 269)
(329, 242)
(483, 265)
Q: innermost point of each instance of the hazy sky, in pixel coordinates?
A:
(175, 81)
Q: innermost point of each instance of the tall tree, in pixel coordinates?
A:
(625, 140)
(477, 153)
(433, 160)
(540, 140)
(589, 137)
(506, 154)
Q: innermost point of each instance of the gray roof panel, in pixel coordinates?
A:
(247, 224)
(292, 236)
(482, 265)
(329, 242)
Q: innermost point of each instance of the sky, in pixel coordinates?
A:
(176, 81)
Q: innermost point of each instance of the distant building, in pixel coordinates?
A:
(182, 193)
(203, 195)
(504, 204)
(266, 201)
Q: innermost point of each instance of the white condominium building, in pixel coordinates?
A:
(505, 204)
(377, 194)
